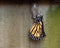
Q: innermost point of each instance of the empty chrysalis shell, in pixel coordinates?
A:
(34, 10)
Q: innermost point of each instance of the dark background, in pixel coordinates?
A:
(29, 1)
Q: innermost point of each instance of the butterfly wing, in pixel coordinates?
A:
(36, 31)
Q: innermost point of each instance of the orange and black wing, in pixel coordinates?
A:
(36, 31)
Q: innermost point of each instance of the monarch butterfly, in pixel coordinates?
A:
(37, 30)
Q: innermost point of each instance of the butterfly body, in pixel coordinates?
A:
(37, 30)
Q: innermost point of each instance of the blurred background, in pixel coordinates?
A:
(15, 22)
